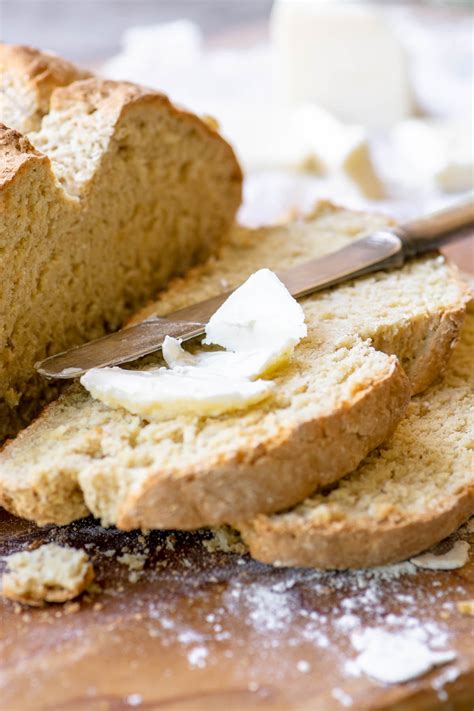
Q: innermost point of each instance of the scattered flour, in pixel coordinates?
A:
(197, 657)
(341, 696)
(395, 658)
(303, 666)
(225, 540)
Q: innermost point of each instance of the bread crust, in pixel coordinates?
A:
(43, 71)
(120, 97)
(341, 545)
(268, 478)
(57, 82)
(16, 155)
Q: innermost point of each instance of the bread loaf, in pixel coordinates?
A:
(340, 397)
(106, 191)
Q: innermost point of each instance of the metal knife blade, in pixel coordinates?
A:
(136, 341)
(385, 249)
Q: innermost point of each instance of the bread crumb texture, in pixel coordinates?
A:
(342, 395)
(51, 573)
(407, 495)
(106, 191)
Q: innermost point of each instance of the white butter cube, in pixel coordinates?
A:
(342, 56)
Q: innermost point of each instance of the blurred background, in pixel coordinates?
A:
(91, 30)
(365, 103)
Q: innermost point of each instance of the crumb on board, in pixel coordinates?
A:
(466, 607)
(50, 573)
(225, 540)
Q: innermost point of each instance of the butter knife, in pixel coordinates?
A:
(384, 249)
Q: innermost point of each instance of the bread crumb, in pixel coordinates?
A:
(51, 573)
(71, 608)
(170, 541)
(225, 540)
(466, 607)
(133, 561)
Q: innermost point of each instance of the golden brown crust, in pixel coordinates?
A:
(120, 96)
(343, 544)
(269, 479)
(16, 154)
(42, 70)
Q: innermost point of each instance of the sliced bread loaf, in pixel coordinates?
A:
(339, 398)
(115, 192)
(414, 490)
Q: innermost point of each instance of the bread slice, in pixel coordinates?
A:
(115, 192)
(339, 398)
(413, 491)
(51, 573)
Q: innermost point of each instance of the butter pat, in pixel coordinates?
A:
(307, 138)
(162, 394)
(259, 314)
(244, 364)
(358, 165)
(342, 56)
(260, 323)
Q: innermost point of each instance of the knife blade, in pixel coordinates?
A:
(384, 249)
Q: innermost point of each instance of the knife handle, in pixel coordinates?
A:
(426, 233)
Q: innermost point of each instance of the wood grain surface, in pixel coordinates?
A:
(197, 629)
(182, 627)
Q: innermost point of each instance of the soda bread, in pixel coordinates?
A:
(51, 573)
(414, 490)
(339, 398)
(115, 191)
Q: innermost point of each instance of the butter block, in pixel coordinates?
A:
(342, 56)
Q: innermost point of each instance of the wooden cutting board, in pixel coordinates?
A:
(181, 625)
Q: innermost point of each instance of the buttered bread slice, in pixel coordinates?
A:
(412, 492)
(106, 191)
(341, 395)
